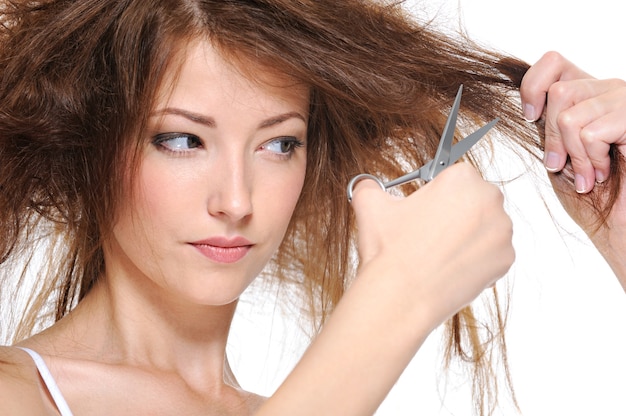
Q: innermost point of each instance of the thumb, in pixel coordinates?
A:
(365, 191)
(370, 204)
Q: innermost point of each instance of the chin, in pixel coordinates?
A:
(215, 293)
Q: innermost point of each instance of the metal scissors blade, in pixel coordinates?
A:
(458, 150)
(446, 153)
(442, 157)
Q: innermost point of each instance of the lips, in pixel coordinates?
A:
(223, 250)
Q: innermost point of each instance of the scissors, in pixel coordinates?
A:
(446, 153)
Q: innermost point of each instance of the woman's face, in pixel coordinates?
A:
(222, 170)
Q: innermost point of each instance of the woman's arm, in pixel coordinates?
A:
(584, 117)
(423, 258)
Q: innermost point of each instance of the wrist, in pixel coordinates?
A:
(612, 247)
(397, 295)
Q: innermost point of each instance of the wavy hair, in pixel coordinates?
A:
(77, 81)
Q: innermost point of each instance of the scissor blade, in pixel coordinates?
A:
(457, 151)
(460, 148)
(442, 157)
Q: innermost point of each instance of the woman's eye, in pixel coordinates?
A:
(283, 145)
(177, 142)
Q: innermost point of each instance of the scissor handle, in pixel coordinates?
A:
(359, 178)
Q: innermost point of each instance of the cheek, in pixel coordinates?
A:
(292, 190)
(280, 197)
(159, 199)
(153, 194)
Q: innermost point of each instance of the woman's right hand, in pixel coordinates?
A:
(442, 245)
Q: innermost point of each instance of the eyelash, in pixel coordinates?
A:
(161, 140)
(292, 143)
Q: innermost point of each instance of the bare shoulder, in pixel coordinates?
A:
(20, 389)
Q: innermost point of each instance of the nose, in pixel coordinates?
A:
(231, 195)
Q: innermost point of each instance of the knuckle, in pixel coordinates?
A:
(566, 121)
(457, 174)
(510, 256)
(617, 84)
(495, 194)
(464, 169)
(560, 92)
(589, 137)
(553, 57)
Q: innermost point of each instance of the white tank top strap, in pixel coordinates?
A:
(48, 380)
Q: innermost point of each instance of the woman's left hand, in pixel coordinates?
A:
(583, 117)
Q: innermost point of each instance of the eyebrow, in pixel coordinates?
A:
(210, 121)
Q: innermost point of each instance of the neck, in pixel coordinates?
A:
(123, 325)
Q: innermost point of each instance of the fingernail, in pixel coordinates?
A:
(600, 178)
(552, 161)
(530, 114)
(580, 183)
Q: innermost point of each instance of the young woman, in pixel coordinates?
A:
(157, 156)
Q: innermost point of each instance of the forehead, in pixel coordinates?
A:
(200, 72)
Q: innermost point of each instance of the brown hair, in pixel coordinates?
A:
(77, 79)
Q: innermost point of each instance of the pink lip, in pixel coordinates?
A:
(223, 250)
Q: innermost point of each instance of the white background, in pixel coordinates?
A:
(567, 327)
